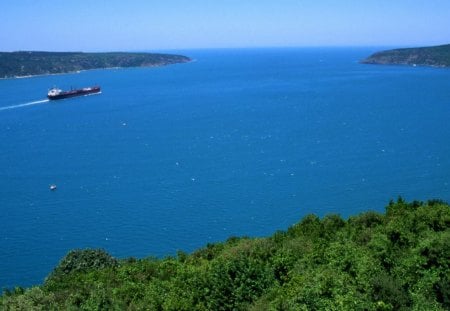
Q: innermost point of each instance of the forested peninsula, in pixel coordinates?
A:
(397, 260)
(31, 63)
(436, 56)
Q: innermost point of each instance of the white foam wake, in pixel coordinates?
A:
(24, 105)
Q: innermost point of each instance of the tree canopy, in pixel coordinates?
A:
(399, 260)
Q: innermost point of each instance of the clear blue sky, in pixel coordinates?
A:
(107, 25)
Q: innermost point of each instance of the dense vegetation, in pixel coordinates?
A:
(399, 260)
(26, 63)
(438, 56)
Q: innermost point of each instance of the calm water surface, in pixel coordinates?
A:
(238, 142)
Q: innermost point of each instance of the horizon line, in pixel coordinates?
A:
(222, 48)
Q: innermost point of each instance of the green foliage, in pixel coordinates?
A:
(399, 260)
(442, 289)
(84, 260)
(236, 282)
(389, 290)
(32, 299)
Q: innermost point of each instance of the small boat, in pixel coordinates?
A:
(52, 187)
(56, 93)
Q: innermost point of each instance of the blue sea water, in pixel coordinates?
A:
(238, 142)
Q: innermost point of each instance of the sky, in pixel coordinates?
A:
(138, 25)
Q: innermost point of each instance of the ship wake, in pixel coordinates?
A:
(37, 102)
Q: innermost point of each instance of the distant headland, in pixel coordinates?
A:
(32, 63)
(436, 56)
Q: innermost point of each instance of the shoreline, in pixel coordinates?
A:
(83, 70)
(431, 56)
(406, 65)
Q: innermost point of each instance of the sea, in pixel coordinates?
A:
(238, 142)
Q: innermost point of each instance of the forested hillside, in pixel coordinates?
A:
(28, 63)
(398, 260)
(436, 56)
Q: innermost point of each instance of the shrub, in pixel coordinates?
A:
(82, 261)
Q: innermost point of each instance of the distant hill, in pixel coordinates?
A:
(30, 63)
(436, 56)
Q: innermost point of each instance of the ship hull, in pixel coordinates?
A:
(75, 93)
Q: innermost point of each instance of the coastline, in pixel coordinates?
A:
(431, 56)
(83, 70)
(405, 65)
(27, 64)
